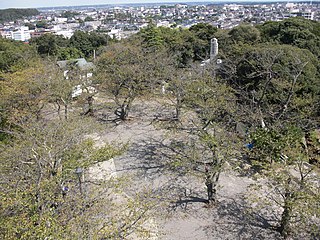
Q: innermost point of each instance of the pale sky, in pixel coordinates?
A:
(52, 3)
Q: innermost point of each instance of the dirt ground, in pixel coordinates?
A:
(184, 213)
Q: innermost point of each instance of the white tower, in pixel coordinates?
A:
(213, 48)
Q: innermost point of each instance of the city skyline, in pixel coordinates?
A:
(39, 3)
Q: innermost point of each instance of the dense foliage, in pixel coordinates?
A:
(81, 44)
(294, 31)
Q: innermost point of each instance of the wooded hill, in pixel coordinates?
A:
(260, 105)
(12, 14)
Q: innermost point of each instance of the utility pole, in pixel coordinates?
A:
(79, 173)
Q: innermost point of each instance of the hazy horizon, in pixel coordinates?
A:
(56, 3)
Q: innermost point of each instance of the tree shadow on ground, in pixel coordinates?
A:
(142, 110)
(185, 203)
(151, 156)
(192, 199)
(236, 218)
(152, 161)
(144, 157)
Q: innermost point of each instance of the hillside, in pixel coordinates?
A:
(12, 14)
(163, 140)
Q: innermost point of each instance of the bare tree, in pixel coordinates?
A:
(123, 73)
(211, 137)
(42, 197)
(292, 185)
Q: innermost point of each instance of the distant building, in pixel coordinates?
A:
(65, 33)
(163, 24)
(6, 34)
(37, 34)
(307, 15)
(60, 20)
(115, 34)
(22, 34)
(93, 24)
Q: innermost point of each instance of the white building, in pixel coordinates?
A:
(163, 24)
(93, 24)
(6, 34)
(65, 33)
(60, 20)
(22, 34)
(308, 14)
(115, 34)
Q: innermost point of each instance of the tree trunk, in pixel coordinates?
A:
(90, 106)
(38, 112)
(284, 228)
(212, 179)
(59, 108)
(124, 114)
(289, 198)
(123, 111)
(210, 191)
(178, 112)
(66, 111)
(178, 107)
